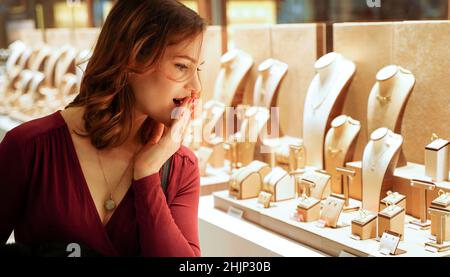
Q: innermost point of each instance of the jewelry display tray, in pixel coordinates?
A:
(278, 218)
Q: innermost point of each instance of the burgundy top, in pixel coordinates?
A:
(44, 197)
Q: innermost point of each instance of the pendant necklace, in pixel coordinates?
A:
(109, 203)
(374, 161)
(315, 107)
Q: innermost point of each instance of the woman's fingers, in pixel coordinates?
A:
(156, 132)
(179, 127)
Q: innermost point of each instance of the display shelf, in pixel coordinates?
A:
(409, 172)
(279, 219)
(222, 235)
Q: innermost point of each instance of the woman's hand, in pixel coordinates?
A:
(164, 142)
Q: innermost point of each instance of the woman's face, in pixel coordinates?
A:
(160, 90)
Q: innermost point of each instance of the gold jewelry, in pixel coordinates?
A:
(390, 206)
(434, 137)
(383, 99)
(333, 152)
(110, 204)
(442, 194)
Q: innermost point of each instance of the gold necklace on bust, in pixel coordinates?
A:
(334, 151)
(383, 99)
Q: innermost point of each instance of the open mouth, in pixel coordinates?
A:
(178, 101)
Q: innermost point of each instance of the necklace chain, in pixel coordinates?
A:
(374, 161)
(315, 107)
(110, 204)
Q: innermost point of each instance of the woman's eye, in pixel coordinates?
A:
(199, 69)
(181, 67)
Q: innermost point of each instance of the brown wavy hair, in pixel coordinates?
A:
(132, 40)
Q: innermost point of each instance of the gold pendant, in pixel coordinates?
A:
(110, 204)
(383, 99)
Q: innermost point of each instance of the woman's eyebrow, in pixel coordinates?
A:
(188, 58)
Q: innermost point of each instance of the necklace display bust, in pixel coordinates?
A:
(324, 101)
(340, 145)
(379, 161)
(388, 99)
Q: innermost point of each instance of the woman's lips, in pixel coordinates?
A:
(178, 101)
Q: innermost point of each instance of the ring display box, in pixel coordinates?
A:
(246, 182)
(365, 226)
(280, 184)
(395, 198)
(308, 209)
(392, 219)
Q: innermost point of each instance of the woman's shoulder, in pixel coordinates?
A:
(29, 130)
(187, 153)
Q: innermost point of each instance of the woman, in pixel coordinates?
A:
(90, 174)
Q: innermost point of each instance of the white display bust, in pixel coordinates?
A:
(270, 74)
(235, 65)
(339, 147)
(324, 101)
(388, 99)
(379, 161)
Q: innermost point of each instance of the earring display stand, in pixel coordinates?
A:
(424, 187)
(347, 174)
(441, 244)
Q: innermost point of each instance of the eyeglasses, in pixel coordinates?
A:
(178, 70)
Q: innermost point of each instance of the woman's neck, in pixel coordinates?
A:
(134, 137)
(74, 119)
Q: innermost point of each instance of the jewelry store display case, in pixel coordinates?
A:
(350, 162)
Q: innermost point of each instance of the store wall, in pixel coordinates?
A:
(211, 51)
(295, 44)
(31, 37)
(421, 47)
